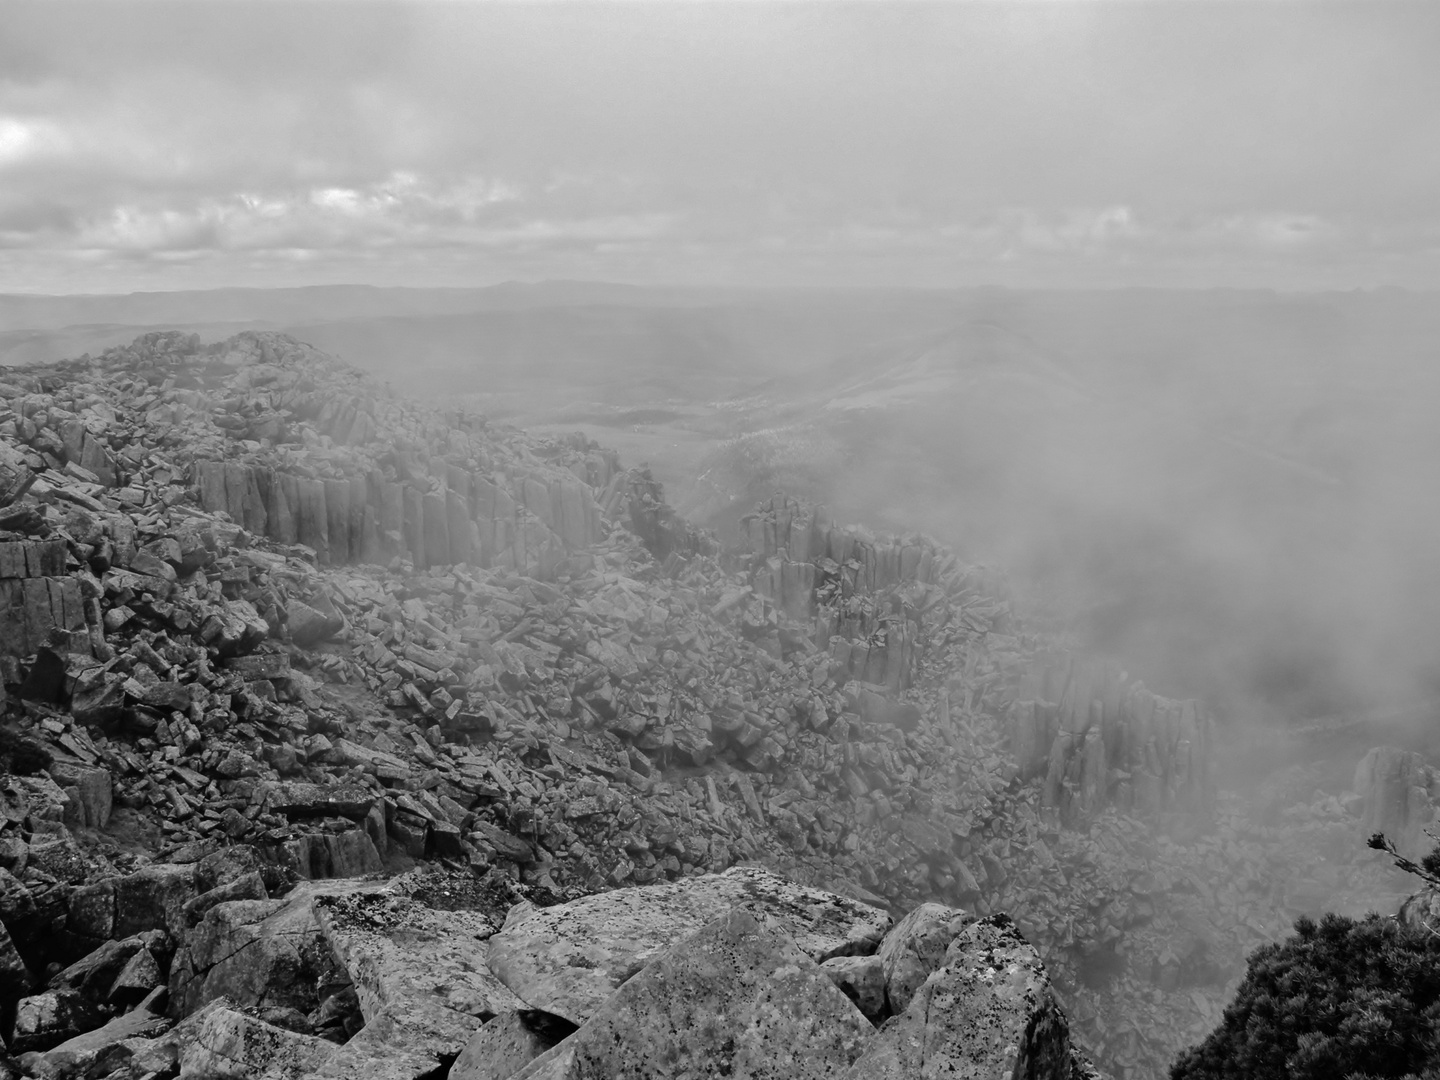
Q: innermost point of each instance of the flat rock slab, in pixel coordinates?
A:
(988, 1012)
(391, 1046)
(736, 999)
(258, 952)
(568, 959)
(424, 969)
(229, 1045)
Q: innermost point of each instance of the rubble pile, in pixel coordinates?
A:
(270, 629)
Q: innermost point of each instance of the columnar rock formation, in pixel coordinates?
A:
(864, 598)
(37, 595)
(297, 449)
(1101, 739)
(1098, 738)
(1399, 791)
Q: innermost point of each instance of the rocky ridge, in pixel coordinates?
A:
(268, 628)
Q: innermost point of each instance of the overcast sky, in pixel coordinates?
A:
(153, 146)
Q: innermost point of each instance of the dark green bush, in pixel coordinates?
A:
(1339, 1000)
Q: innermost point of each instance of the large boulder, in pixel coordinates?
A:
(736, 998)
(988, 1012)
(259, 952)
(423, 969)
(916, 947)
(86, 1055)
(228, 1045)
(50, 1018)
(570, 958)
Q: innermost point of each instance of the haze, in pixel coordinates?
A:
(1130, 299)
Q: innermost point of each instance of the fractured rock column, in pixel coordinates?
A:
(337, 519)
(313, 523)
(437, 530)
(458, 526)
(36, 595)
(392, 520)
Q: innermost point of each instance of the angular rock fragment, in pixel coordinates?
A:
(229, 1045)
(916, 947)
(106, 1048)
(48, 1019)
(862, 980)
(423, 969)
(258, 952)
(568, 959)
(736, 998)
(501, 1048)
(989, 1011)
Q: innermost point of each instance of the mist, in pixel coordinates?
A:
(1132, 307)
(1229, 492)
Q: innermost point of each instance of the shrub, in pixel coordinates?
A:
(1343, 999)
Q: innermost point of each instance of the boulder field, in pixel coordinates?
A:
(356, 737)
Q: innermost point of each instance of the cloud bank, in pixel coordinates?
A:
(158, 145)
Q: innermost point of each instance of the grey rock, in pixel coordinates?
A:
(500, 1049)
(424, 969)
(916, 947)
(862, 980)
(989, 1011)
(569, 958)
(736, 998)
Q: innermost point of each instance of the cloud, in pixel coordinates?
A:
(971, 139)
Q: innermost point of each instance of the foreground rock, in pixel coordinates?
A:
(988, 1012)
(742, 974)
(568, 960)
(417, 972)
(737, 998)
(502, 1048)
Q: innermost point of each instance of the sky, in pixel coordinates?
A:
(152, 146)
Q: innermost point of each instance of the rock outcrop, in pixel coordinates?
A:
(686, 991)
(1398, 789)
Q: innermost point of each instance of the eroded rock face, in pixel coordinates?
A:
(736, 998)
(568, 959)
(987, 1012)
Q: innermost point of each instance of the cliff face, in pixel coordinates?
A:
(256, 603)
